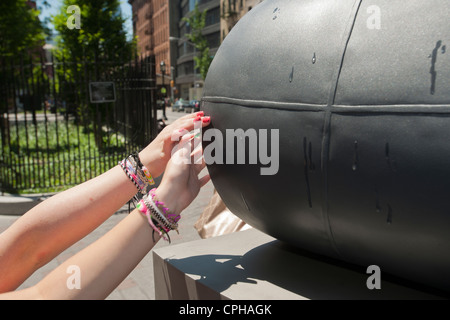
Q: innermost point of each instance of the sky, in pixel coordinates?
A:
(55, 4)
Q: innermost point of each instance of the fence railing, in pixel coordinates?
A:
(62, 123)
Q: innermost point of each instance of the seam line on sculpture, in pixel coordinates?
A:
(293, 106)
(374, 108)
(327, 119)
(392, 109)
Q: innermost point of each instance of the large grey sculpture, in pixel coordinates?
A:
(360, 94)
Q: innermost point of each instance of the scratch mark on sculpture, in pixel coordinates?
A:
(275, 11)
(305, 169)
(314, 58)
(355, 157)
(386, 151)
(433, 57)
(245, 202)
(291, 76)
(377, 200)
(389, 215)
(390, 162)
(312, 167)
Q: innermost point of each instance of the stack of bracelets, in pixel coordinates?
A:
(137, 172)
(157, 214)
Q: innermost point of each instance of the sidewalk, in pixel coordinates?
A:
(139, 284)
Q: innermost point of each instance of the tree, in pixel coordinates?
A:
(20, 28)
(94, 50)
(101, 35)
(197, 22)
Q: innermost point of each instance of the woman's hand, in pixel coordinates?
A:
(156, 155)
(181, 184)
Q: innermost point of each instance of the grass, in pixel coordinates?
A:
(55, 156)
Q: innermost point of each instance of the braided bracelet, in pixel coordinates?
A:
(159, 216)
(142, 207)
(172, 218)
(137, 172)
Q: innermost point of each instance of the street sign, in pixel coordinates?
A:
(101, 92)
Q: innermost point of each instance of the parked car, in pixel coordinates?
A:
(194, 106)
(180, 105)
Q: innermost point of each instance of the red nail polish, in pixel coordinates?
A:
(206, 119)
(197, 119)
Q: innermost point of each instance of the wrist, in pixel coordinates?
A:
(170, 200)
(154, 162)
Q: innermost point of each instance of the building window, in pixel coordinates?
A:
(213, 39)
(186, 68)
(212, 16)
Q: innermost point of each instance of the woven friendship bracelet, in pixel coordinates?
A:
(125, 169)
(158, 215)
(144, 210)
(137, 172)
(154, 224)
(171, 218)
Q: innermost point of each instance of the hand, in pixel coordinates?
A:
(181, 184)
(156, 155)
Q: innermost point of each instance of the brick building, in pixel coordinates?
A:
(151, 26)
(161, 31)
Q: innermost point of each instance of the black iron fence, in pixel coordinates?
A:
(62, 122)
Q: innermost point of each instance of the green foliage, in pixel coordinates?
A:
(101, 36)
(95, 51)
(20, 28)
(55, 156)
(197, 22)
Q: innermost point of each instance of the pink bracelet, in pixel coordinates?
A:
(173, 218)
(137, 172)
(142, 208)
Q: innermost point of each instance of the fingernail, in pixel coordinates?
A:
(197, 119)
(200, 113)
(206, 119)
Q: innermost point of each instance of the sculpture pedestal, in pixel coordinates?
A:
(251, 265)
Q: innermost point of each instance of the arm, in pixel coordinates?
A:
(55, 224)
(106, 262)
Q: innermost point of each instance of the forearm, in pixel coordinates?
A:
(95, 271)
(103, 265)
(52, 226)
(58, 222)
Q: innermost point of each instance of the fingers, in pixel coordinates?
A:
(187, 119)
(200, 164)
(188, 123)
(192, 115)
(192, 123)
(204, 180)
(181, 153)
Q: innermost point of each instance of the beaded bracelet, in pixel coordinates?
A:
(137, 172)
